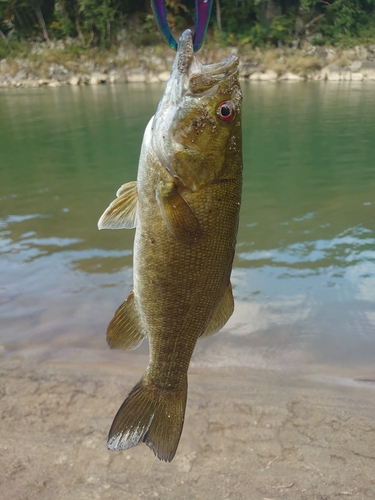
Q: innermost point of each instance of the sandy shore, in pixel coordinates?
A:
(249, 434)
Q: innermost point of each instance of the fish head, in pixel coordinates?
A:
(196, 130)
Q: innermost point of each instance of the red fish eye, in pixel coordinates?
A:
(226, 111)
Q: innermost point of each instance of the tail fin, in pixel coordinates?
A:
(150, 415)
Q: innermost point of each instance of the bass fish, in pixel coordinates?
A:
(185, 207)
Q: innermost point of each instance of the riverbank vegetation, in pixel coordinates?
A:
(256, 23)
(58, 42)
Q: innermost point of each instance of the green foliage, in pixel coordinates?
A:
(90, 20)
(281, 29)
(237, 15)
(4, 51)
(254, 22)
(257, 36)
(346, 20)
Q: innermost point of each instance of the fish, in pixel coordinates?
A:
(185, 207)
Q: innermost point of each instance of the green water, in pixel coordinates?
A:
(304, 274)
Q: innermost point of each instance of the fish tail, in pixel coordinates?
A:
(150, 415)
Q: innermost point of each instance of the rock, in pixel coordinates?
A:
(290, 77)
(37, 48)
(267, 76)
(151, 78)
(74, 80)
(98, 78)
(371, 48)
(307, 47)
(330, 70)
(369, 75)
(117, 76)
(361, 52)
(137, 75)
(368, 65)
(248, 68)
(84, 80)
(332, 73)
(295, 43)
(355, 65)
(333, 77)
(321, 53)
(163, 76)
(357, 77)
(58, 45)
(59, 72)
(30, 83)
(54, 83)
(313, 75)
(368, 70)
(121, 53)
(71, 41)
(330, 53)
(43, 81)
(89, 66)
(21, 75)
(346, 75)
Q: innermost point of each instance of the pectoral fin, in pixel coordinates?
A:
(122, 212)
(178, 215)
(222, 313)
(125, 331)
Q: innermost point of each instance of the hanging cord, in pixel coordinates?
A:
(202, 16)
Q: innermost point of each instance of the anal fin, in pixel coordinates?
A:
(222, 313)
(125, 331)
(122, 212)
(177, 214)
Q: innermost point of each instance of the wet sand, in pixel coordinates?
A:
(248, 434)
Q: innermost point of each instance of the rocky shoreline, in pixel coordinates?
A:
(131, 65)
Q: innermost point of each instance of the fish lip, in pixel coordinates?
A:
(205, 79)
(185, 52)
(188, 63)
(222, 68)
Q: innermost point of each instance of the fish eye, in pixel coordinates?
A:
(226, 111)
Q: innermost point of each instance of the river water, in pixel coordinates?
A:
(304, 273)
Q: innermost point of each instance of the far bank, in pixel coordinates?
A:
(41, 64)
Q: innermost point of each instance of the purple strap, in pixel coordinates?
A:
(202, 16)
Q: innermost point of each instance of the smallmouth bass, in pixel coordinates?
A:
(185, 207)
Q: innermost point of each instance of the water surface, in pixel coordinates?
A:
(304, 273)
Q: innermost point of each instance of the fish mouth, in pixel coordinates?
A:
(202, 77)
(189, 77)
